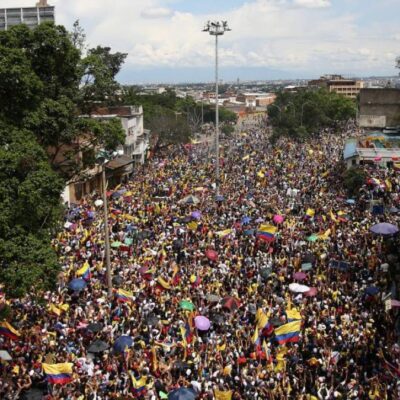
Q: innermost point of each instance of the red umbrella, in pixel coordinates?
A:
(300, 276)
(312, 292)
(212, 255)
(231, 303)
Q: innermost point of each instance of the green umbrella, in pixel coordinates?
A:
(313, 238)
(186, 305)
(116, 244)
(128, 241)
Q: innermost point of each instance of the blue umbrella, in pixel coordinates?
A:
(77, 284)
(182, 394)
(219, 198)
(350, 201)
(384, 228)
(248, 232)
(122, 343)
(246, 220)
(371, 290)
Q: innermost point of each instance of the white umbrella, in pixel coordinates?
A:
(297, 288)
(98, 203)
(67, 225)
(4, 355)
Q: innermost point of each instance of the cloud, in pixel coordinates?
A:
(156, 12)
(312, 3)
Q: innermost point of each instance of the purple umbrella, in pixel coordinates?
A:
(196, 215)
(300, 276)
(384, 228)
(202, 323)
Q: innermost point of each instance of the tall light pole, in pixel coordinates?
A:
(106, 230)
(216, 28)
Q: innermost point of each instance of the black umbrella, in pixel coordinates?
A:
(265, 273)
(98, 346)
(182, 394)
(217, 319)
(33, 394)
(95, 327)
(118, 280)
(152, 320)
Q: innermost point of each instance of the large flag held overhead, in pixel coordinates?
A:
(139, 386)
(8, 331)
(288, 333)
(124, 296)
(59, 374)
(266, 232)
(84, 272)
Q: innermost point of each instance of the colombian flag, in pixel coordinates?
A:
(288, 333)
(84, 272)
(139, 386)
(124, 296)
(8, 331)
(266, 232)
(59, 374)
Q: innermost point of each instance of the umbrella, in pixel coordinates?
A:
(297, 288)
(213, 298)
(33, 394)
(128, 241)
(182, 394)
(219, 198)
(372, 290)
(278, 219)
(300, 276)
(202, 323)
(248, 232)
(212, 255)
(306, 266)
(350, 201)
(95, 327)
(231, 303)
(196, 215)
(312, 292)
(217, 319)
(259, 220)
(394, 210)
(98, 346)
(384, 228)
(187, 305)
(117, 280)
(152, 320)
(246, 220)
(265, 273)
(98, 203)
(77, 284)
(122, 343)
(116, 244)
(313, 238)
(5, 355)
(189, 200)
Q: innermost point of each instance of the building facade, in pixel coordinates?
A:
(379, 108)
(336, 83)
(31, 16)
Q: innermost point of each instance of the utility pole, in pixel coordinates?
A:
(106, 232)
(217, 28)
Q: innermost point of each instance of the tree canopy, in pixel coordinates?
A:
(47, 83)
(304, 113)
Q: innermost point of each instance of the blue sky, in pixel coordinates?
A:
(270, 39)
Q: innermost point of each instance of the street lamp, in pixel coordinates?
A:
(102, 159)
(216, 28)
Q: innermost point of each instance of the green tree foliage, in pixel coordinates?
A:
(46, 84)
(304, 113)
(353, 179)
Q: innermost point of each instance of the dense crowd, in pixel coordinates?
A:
(179, 252)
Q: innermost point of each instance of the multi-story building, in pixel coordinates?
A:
(31, 16)
(336, 83)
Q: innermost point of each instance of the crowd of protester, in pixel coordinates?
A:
(178, 252)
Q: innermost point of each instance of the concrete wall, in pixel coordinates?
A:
(383, 103)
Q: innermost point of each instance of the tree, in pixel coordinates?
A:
(169, 129)
(45, 86)
(29, 210)
(353, 179)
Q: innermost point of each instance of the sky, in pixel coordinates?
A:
(270, 39)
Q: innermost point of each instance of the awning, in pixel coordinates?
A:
(119, 162)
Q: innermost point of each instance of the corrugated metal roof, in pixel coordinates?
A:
(350, 148)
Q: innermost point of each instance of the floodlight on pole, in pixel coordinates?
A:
(216, 28)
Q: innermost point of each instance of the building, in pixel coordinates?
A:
(253, 100)
(119, 169)
(31, 16)
(336, 83)
(379, 108)
(374, 148)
